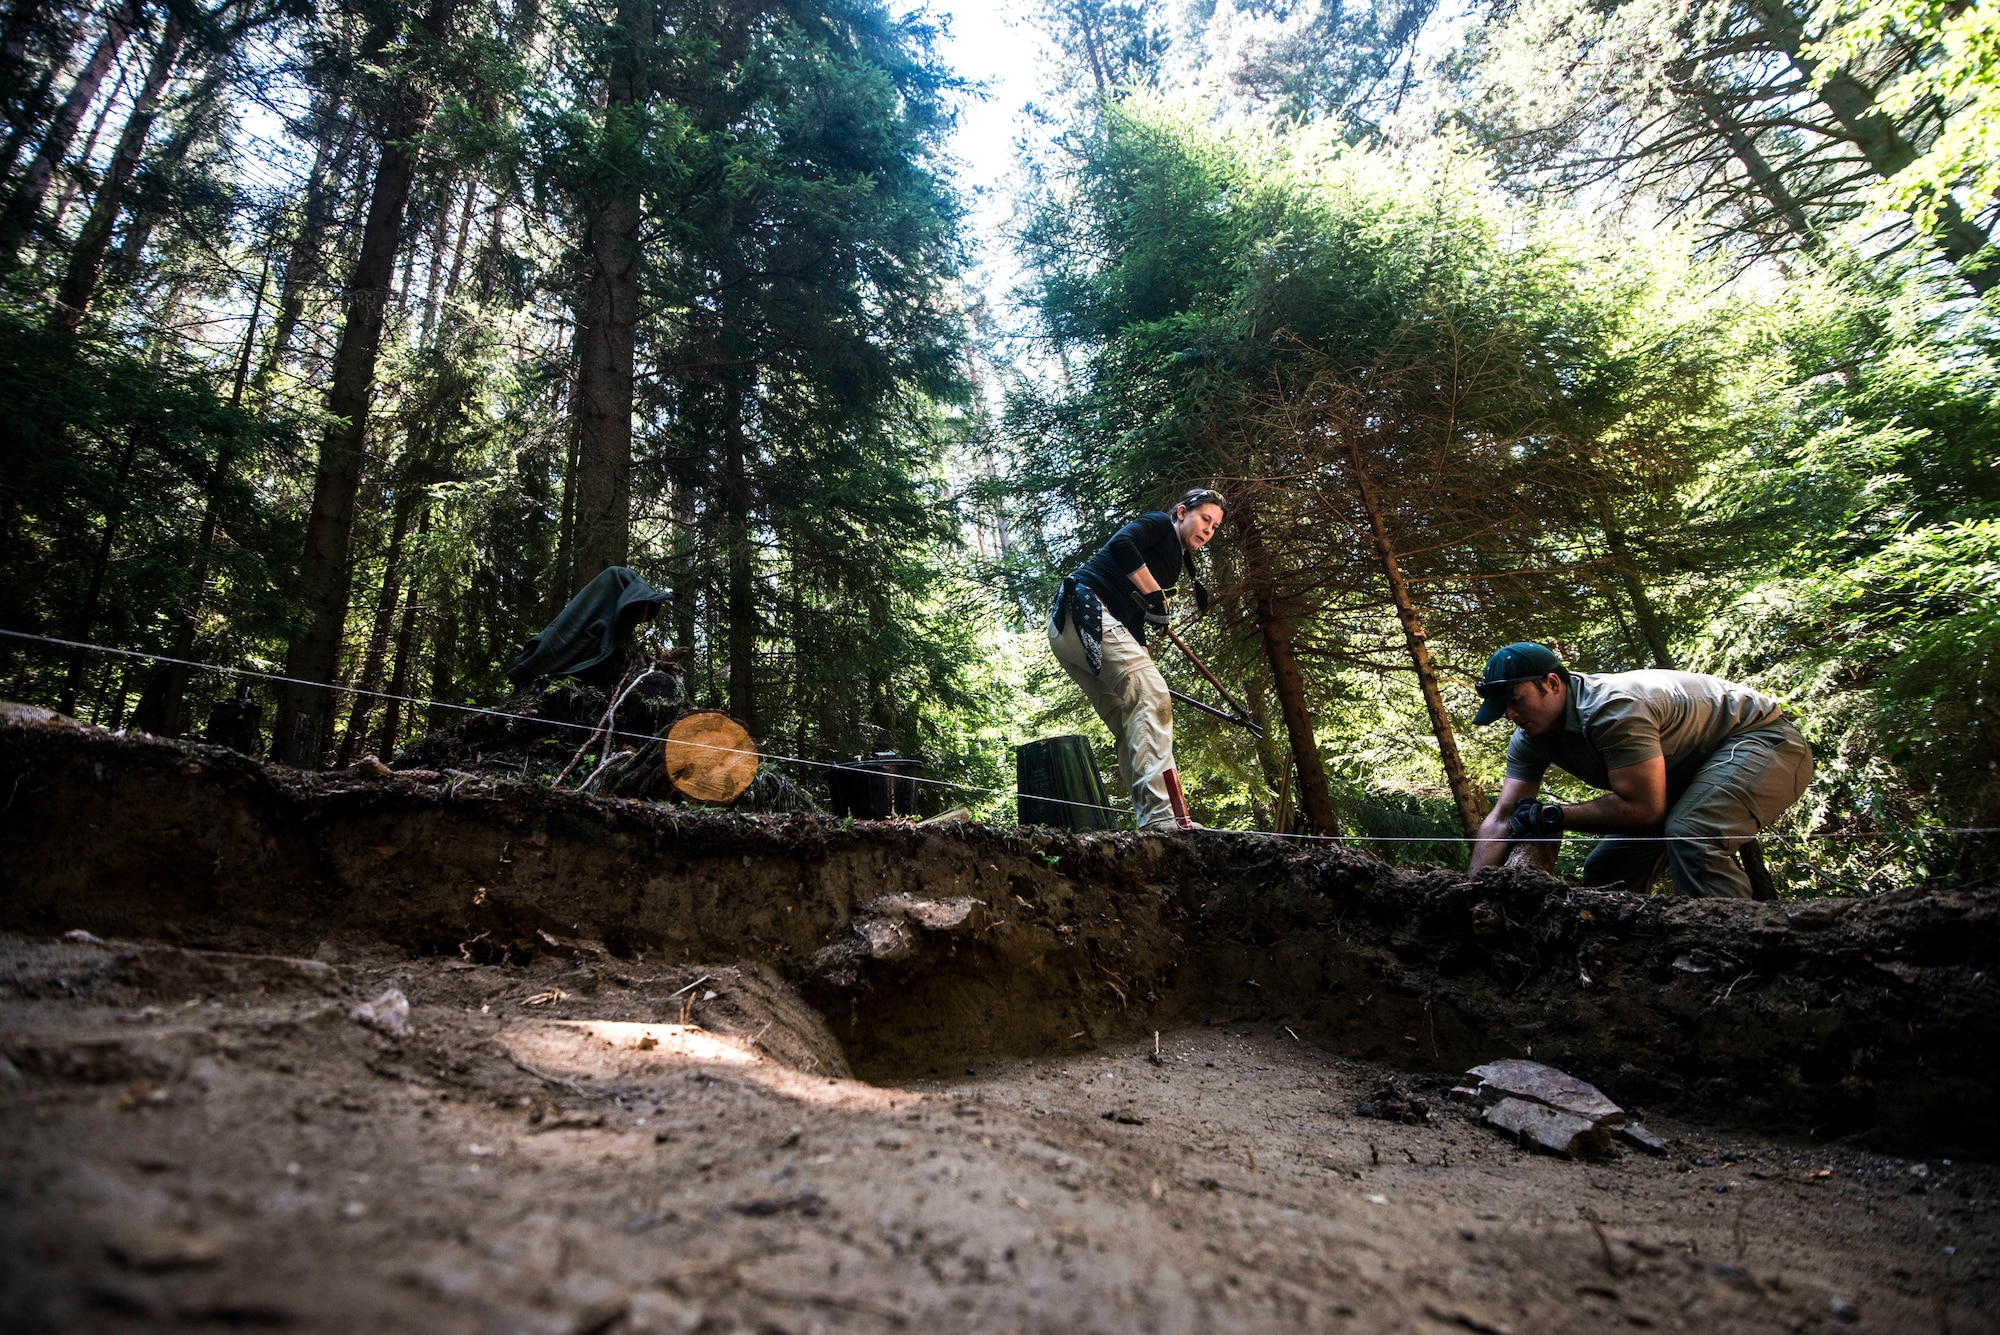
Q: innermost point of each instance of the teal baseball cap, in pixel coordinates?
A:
(1508, 668)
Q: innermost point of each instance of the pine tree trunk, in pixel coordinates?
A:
(442, 289)
(86, 262)
(73, 178)
(1768, 183)
(406, 640)
(304, 710)
(563, 585)
(375, 656)
(22, 111)
(1642, 605)
(684, 590)
(1287, 681)
(444, 666)
(193, 113)
(607, 323)
(86, 617)
(742, 602)
(19, 215)
(188, 618)
(1277, 774)
(1471, 806)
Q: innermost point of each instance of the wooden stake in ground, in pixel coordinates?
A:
(709, 756)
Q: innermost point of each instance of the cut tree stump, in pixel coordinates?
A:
(709, 756)
(1537, 853)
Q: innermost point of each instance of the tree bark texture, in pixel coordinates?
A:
(304, 706)
(19, 216)
(608, 320)
(86, 261)
(1276, 629)
(1471, 805)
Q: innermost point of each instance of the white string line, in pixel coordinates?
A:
(942, 783)
(518, 718)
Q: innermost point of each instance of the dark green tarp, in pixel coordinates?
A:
(589, 629)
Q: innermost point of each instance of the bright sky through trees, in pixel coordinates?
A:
(993, 47)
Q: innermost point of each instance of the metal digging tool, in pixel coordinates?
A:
(1241, 718)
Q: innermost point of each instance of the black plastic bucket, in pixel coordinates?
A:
(875, 789)
(1054, 776)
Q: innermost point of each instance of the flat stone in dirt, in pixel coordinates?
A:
(1536, 1126)
(1537, 1083)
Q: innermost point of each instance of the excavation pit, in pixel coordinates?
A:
(695, 1072)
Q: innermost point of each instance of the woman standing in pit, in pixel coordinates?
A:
(1106, 655)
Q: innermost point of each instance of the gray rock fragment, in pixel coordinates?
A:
(1632, 1133)
(387, 1014)
(1538, 1127)
(1513, 1078)
(893, 930)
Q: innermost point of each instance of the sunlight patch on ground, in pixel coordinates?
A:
(619, 1050)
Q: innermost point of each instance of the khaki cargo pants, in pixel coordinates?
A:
(1750, 781)
(1130, 695)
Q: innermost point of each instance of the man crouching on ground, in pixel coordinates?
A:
(1704, 762)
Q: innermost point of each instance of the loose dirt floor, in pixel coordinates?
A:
(204, 1140)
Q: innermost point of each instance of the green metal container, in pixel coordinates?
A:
(1059, 785)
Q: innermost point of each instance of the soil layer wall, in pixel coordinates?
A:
(925, 948)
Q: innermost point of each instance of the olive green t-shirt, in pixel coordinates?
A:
(1617, 719)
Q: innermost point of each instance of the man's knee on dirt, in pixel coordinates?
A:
(1702, 856)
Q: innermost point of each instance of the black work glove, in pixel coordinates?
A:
(1533, 819)
(1153, 606)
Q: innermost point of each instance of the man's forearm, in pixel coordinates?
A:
(1489, 845)
(1610, 814)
